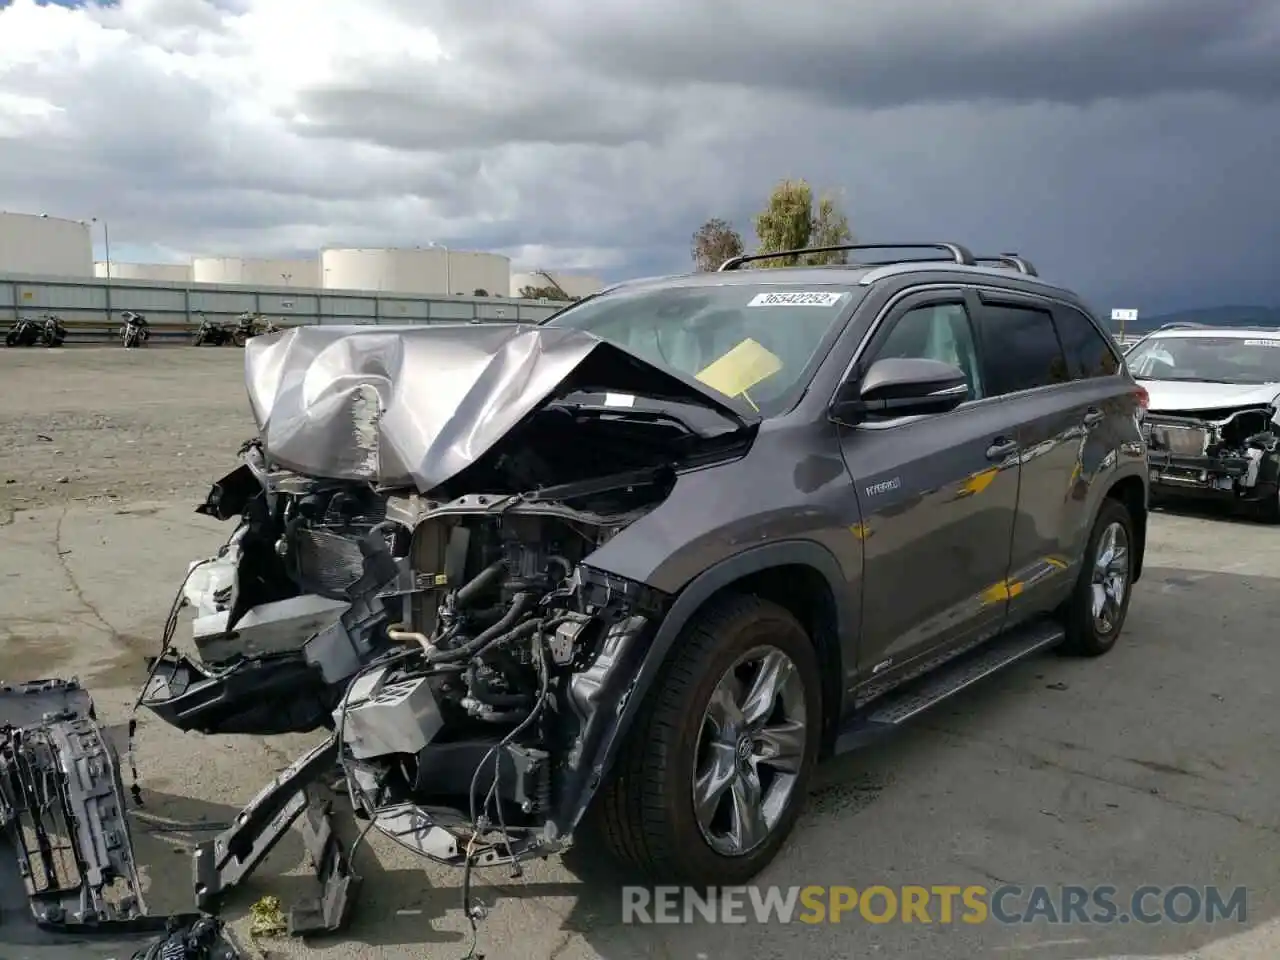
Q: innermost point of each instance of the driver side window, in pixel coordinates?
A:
(937, 331)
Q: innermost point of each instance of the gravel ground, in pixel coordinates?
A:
(84, 424)
(1155, 764)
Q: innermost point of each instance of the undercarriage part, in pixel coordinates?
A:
(262, 697)
(228, 859)
(62, 808)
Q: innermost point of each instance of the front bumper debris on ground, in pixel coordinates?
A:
(70, 854)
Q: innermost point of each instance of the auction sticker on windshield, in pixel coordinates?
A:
(796, 298)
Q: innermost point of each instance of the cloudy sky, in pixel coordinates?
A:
(1131, 148)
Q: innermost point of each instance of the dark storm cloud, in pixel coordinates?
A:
(1127, 146)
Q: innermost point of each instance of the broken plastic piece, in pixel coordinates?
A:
(62, 811)
(228, 859)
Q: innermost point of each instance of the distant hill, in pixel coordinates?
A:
(1228, 316)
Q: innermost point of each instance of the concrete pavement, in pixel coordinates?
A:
(1152, 765)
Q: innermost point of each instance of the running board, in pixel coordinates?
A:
(915, 697)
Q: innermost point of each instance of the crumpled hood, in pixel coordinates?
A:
(415, 405)
(1176, 395)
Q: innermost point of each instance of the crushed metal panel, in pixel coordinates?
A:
(417, 405)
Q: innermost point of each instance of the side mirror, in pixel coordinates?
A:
(904, 387)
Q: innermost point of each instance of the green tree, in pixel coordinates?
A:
(714, 243)
(790, 221)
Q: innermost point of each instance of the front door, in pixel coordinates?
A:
(938, 495)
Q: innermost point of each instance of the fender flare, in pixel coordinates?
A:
(687, 603)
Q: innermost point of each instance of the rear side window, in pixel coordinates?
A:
(1020, 349)
(1087, 350)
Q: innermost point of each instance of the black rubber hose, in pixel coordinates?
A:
(520, 604)
(486, 578)
(481, 690)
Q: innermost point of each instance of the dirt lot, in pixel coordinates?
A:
(1155, 765)
(88, 423)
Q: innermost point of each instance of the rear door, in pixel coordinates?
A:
(1062, 437)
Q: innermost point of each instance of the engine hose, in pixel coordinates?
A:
(486, 578)
(519, 606)
(506, 665)
(480, 689)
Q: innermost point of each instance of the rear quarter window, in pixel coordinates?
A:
(1087, 351)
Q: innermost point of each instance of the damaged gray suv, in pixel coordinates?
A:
(635, 569)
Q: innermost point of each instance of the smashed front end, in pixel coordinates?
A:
(412, 569)
(1231, 453)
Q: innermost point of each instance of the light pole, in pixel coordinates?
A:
(286, 277)
(448, 276)
(106, 242)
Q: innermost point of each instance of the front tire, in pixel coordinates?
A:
(715, 771)
(1095, 613)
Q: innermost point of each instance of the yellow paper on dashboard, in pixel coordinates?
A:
(741, 368)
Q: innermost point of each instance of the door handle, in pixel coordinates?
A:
(1001, 447)
(1092, 417)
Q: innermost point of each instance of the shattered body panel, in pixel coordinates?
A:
(1211, 440)
(63, 821)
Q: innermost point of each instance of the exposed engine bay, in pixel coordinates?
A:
(413, 574)
(1233, 452)
(467, 659)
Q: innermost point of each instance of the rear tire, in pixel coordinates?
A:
(1095, 612)
(646, 813)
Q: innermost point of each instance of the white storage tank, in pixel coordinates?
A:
(576, 285)
(419, 270)
(256, 272)
(34, 243)
(159, 272)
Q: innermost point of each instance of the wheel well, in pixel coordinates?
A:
(1131, 492)
(804, 593)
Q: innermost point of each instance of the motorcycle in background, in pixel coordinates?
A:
(252, 325)
(211, 332)
(47, 331)
(134, 332)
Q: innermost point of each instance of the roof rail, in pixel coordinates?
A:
(955, 253)
(1021, 264)
(1182, 325)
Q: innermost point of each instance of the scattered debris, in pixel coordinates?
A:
(45, 437)
(1059, 685)
(63, 480)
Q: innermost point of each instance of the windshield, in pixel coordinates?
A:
(1207, 359)
(748, 340)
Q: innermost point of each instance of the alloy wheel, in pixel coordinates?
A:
(751, 748)
(1110, 577)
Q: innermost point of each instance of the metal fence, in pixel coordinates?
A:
(92, 307)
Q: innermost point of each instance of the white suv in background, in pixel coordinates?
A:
(1211, 424)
